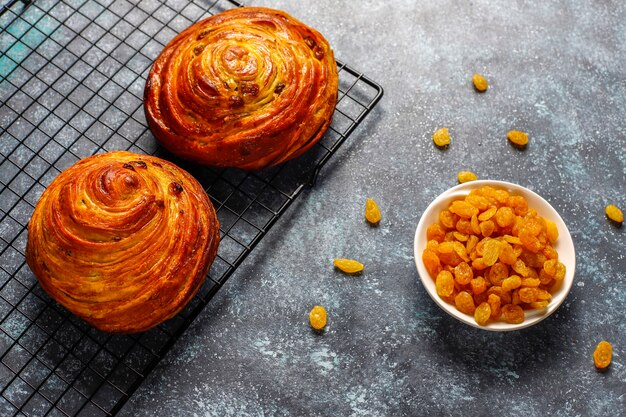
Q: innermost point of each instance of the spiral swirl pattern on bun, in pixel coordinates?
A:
(122, 240)
(250, 87)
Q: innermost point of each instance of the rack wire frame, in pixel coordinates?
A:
(71, 85)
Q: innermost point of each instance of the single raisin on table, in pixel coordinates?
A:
(466, 176)
(602, 355)
(441, 137)
(317, 317)
(480, 83)
(517, 137)
(614, 213)
(349, 266)
(372, 212)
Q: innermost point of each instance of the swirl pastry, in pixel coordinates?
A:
(122, 240)
(249, 88)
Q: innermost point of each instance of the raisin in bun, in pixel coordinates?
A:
(122, 240)
(250, 88)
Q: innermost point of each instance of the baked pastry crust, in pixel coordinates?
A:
(250, 88)
(123, 241)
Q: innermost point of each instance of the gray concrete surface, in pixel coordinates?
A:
(557, 71)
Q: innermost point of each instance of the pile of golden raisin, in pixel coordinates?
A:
(492, 256)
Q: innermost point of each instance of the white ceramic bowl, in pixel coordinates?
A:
(564, 246)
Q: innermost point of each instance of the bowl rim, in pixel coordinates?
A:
(564, 242)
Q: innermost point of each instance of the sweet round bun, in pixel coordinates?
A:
(250, 88)
(123, 241)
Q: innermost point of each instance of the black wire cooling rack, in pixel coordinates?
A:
(72, 75)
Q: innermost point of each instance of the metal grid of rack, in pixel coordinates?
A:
(71, 83)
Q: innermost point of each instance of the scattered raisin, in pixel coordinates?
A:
(372, 212)
(517, 137)
(602, 355)
(614, 213)
(349, 266)
(317, 318)
(480, 83)
(466, 176)
(441, 137)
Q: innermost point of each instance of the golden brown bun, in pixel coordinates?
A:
(122, 240)
(250, 88)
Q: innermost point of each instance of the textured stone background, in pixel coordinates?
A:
(557, 71)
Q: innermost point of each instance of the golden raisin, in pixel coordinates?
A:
(444, 284)
(498, 273)
(349, 266)
(491, 251)
(463, 209)
(441, 137)
(507, 255)
(460, 236)
(551, 230)
(602, 355)
(463, 273)
(466, 176)
(464, 226)
(480, 83)
(560, 271)
(494, 304)
(474, 225)
(517, 137)
(487, 228)
(518, 204)
(511, 283)
(501, 196)
(447, 219)
(513, 313)
(530, 282)
(471, 243)
(487, 214)
(431, 262)
(543, 295)
(520, 267)
(478, 201)
(372, 212)
(478, 285)
(317, 317)
(528, 294)
(435, 232)
(464, 302)
(550, 267)
(614, 213)
(505, 216)
(482, 314)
